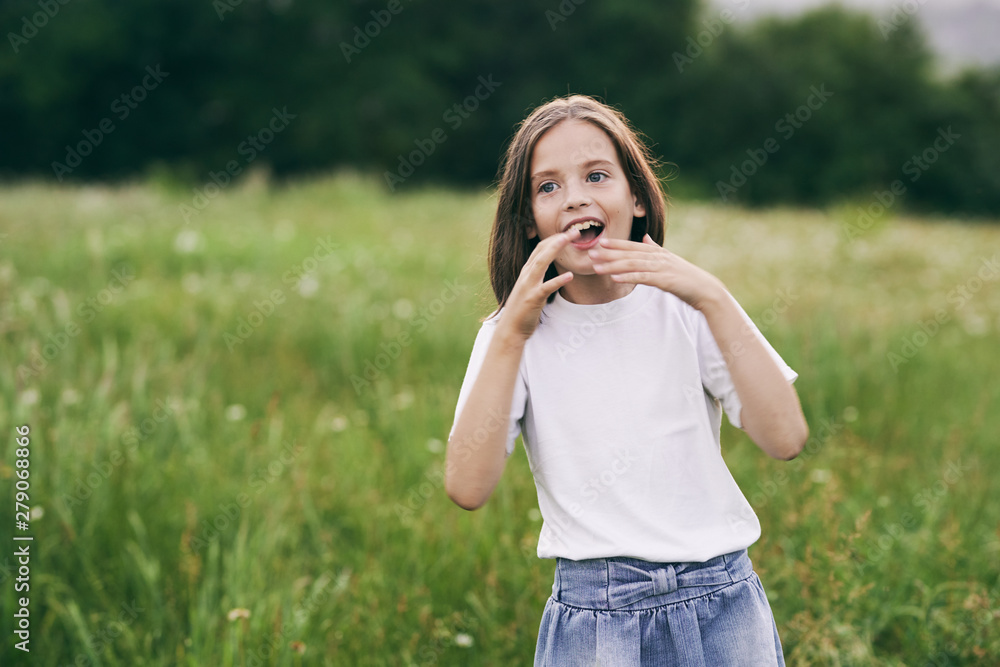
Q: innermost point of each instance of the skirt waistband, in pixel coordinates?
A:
(631, 583)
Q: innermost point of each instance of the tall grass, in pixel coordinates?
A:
(235, 464)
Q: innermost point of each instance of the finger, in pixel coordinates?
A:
(605, 255)
(547, 250)
(627, 264)
(620, 244)
(637, 277)
(638, 250)
(562, 238)
(550, 286)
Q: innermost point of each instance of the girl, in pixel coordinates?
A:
(614, 358)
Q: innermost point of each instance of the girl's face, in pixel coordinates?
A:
(576, 178)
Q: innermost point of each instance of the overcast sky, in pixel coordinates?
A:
(794, 5)
(959, 31)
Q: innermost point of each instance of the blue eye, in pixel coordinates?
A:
(596, 173)
(546, 187)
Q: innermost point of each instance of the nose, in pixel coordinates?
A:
(576, 197)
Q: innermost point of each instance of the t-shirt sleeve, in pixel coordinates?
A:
(519, 399)
(715, 373)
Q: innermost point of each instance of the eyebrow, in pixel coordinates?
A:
(586, 165)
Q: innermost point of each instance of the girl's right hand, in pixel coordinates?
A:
(530, 293)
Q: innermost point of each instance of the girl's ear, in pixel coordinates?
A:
(530, 228)
(638, 210)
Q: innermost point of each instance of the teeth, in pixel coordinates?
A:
(586, 224)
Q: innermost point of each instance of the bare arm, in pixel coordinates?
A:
(771, 413)
(476, 453)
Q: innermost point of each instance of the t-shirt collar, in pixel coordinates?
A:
(562, 309)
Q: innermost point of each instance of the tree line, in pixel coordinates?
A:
(830, 106)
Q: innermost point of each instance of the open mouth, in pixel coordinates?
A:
(590, 230)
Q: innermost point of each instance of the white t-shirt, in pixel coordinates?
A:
(619, 407)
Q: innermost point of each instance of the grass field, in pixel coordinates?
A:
(237, 429)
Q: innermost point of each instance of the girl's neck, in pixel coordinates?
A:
(592, 290)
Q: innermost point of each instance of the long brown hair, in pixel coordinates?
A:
(509, 242)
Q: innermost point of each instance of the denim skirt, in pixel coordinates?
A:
(626, 612)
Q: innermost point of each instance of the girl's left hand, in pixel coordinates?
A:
(649, 264)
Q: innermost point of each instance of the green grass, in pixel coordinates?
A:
(183, 467)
